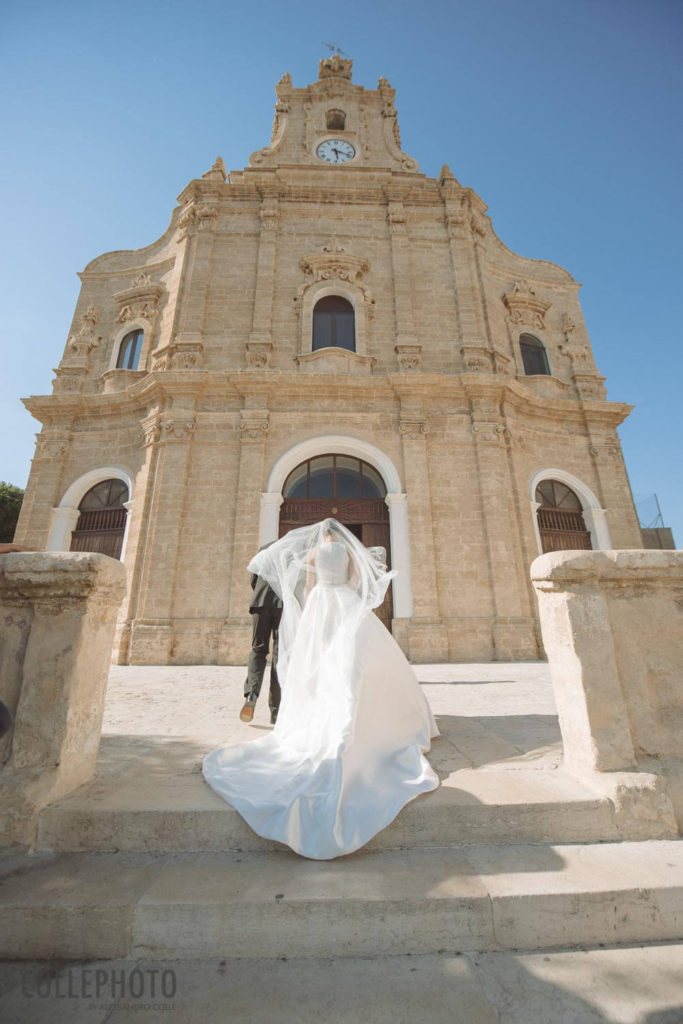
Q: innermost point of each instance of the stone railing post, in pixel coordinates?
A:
(612, 624)
(57, 618)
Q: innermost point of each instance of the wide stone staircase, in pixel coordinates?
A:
(509, 853)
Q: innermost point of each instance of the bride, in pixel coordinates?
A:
(346, 753)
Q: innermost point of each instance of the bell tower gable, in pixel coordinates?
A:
(334, 123)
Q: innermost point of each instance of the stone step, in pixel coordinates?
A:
(184, 905)
(181, 813)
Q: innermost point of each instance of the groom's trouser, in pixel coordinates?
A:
(265, 623)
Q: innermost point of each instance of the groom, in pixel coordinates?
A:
(266, 612)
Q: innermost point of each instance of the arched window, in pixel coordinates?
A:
(102, 522)
(534, 355)
(129, 351)
(334, 476)
(334, 324)
(560, 518)
(335, 120)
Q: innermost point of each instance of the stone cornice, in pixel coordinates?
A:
(261, 385)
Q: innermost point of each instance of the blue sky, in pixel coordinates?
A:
(564, 116)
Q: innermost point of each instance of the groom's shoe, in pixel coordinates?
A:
(247, 712)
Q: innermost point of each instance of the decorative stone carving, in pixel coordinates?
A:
(179, 426)
(254, 424)
(333, 262)
(606, 451)
(396, 216)
(140, 301)
(52, 447)
(150, 430)
(477, 359)
(488, 431)
(335, 66)
(524, 306)
(217, 172)
(335, 360)
(590, 386)
(178, 356)
(413, 428)
(68, 380)
(258, 354)
(409, 357)
(84, 340)
(197, 217)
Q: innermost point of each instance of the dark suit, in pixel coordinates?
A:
(266, 612)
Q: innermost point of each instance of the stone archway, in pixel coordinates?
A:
(395, 500)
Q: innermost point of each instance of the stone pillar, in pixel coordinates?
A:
(459, 225)
(58, 612)
(151, 633)
(513, 632)
(400, 555)
(260, 337)
(403, 283)
(269, 529)
(428, 639)
(613, 630)
(254, 427)
(64, 520)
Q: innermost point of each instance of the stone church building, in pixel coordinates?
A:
(328, 332)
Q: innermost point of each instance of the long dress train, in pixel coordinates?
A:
(346, 753)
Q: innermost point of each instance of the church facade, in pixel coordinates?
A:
(328, 332)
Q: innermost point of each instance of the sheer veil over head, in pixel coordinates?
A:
(306, 557)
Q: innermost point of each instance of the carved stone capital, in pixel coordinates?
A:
(52, 447)
(409, 357)
(413, 428)
(178, 425)
(254, 424)
(488, 431)
(258, 354)
(178, 356)
(606, 451)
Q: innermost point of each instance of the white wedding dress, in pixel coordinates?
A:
(347, 751)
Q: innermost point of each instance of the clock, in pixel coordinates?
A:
(335, 151)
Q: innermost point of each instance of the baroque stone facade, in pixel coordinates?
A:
(222, 392)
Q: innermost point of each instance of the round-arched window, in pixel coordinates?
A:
(129, 351)
(534, 355)
(334, 324)
(335, 120)
(560, 518)
(102, 522)
(334, 476)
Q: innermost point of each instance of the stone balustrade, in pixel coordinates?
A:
(57, 617)
(612, 625)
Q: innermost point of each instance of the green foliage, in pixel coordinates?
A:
(11, 498)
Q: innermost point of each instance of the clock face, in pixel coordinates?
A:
(335, 151)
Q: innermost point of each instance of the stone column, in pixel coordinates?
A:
(254, 427)
(59, 612)
(151, 634)
(64, 520)
(513, 632)
(402, 271)
(428, 639)
(269, 529)
(400, 555)
(470, 313)
(260, 337)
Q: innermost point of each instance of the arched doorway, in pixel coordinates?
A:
(102, 521)
(350, 490)
(560, 518)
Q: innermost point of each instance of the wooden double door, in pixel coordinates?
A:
(366, 518)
